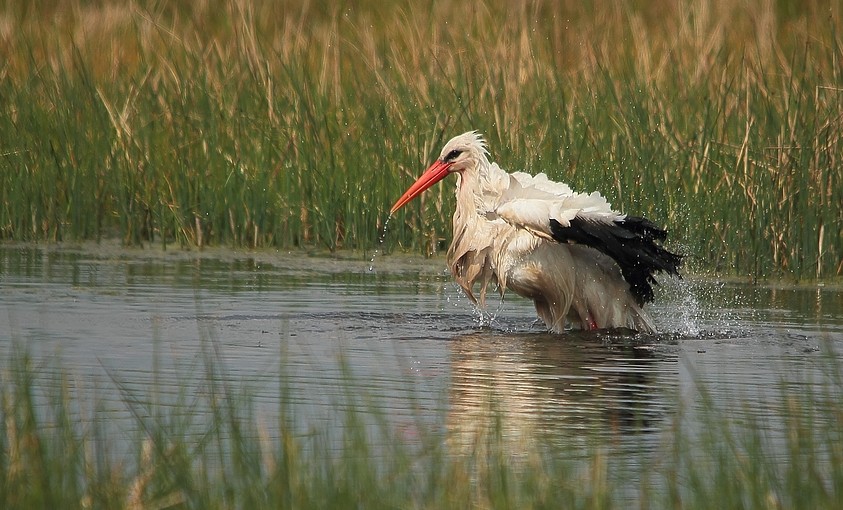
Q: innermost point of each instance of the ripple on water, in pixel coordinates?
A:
(302, 331)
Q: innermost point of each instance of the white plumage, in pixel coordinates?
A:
(583, 264)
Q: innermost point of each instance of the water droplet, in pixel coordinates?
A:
(381, 238)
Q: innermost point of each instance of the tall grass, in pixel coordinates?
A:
(264, 123)
(211, 449)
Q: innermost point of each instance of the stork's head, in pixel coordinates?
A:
(464, 152)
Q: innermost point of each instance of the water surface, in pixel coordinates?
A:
(328, 334)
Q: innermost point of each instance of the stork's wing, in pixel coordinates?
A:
(552, 211)
(531, 202)
(542, 183)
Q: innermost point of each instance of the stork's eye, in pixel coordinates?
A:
(454, 154)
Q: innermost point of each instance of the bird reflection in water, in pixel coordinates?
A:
(527, 387)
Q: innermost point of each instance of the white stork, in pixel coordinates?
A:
(583, 264)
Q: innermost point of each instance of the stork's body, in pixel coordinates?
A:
(583, 264)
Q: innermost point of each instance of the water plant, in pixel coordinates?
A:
(266, 123)
(207, 447)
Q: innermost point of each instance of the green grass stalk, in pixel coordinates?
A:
(271, 124)
(210, 449)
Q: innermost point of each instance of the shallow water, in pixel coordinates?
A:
(326, 334)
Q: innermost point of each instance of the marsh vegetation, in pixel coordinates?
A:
(280, 124)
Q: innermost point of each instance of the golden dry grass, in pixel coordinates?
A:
(296, 124)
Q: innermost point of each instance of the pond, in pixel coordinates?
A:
(325, 335)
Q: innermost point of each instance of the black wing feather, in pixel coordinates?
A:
(631, 242)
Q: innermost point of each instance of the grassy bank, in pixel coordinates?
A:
(212, 450)
(265, 123)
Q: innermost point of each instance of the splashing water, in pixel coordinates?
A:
(482, 317)
(381, 238)
(689, 310)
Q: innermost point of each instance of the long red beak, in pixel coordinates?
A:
(435, 173)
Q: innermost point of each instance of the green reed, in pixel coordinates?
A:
(209, 447)
(273, 124)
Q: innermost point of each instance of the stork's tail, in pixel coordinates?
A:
(631, 242)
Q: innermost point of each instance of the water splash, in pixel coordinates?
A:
(482, 317)
(381, 239)
(689, 310)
